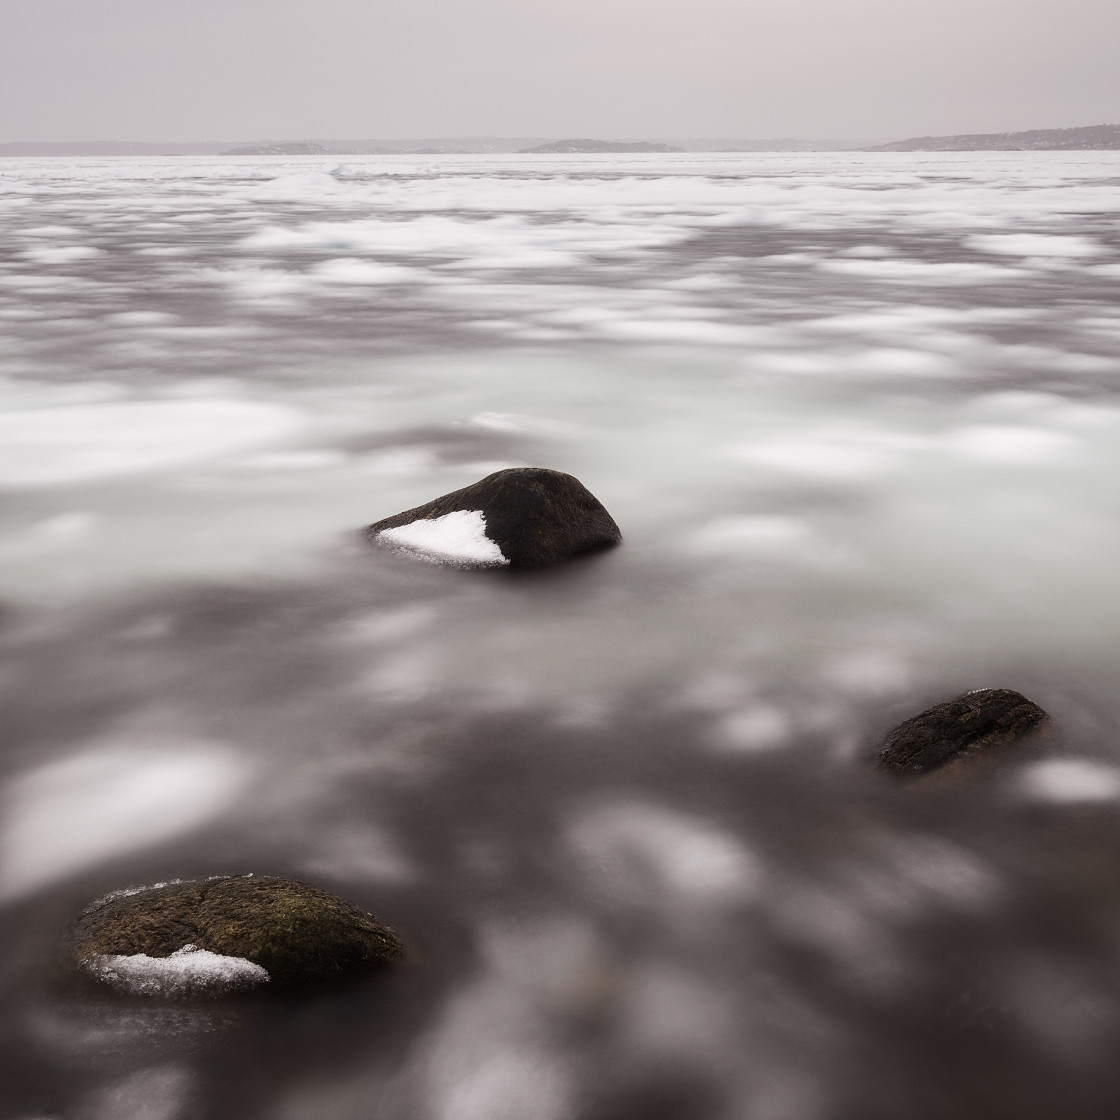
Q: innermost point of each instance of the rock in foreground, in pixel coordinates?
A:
(218, 935)
(952, 734)
(522, 517)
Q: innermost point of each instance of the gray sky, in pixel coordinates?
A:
(229, 69)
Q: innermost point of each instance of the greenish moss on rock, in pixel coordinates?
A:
(294, 931)
(949, 736)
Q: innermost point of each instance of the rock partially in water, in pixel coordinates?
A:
(522, 517)
(952, 735)
(219, 935)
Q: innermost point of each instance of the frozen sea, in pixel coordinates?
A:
(858, 418)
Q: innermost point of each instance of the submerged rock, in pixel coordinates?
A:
(952, 734)
(522, 517)
(226, 934)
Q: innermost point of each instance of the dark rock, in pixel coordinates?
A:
(951, 734)
(293, 931)
(527, 517)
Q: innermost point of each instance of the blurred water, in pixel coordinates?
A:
(857, 419)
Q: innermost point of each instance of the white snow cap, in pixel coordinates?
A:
(188, 971)
(455, 538)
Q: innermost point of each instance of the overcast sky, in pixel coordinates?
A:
(247, 69)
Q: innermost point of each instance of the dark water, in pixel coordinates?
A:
(856, 417)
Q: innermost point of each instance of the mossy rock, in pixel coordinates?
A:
(531, 517)
(295, 932)
(950, 736)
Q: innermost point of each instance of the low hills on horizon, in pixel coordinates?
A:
(1098, 137)
(1094, 137)
(1101, 137)
(463, 145)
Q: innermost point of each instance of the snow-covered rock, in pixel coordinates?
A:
(225, 934)
(521, 517)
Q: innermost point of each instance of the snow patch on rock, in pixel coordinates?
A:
(188, 971)
(455, 538)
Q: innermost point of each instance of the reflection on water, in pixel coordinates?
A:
(855, 415)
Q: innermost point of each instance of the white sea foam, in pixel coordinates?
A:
(766, 534)
(51, 231)
(111, 798)
(853, 455)
(513, 422)
(1011, 445)
(351, 270)
(652, 855)
(52, 446)
(760, 727)
(301, 185)
(143, 318)
(188, 971)
(457, 538)
(681, 331)
(506, 242)
(256, 284)
(59, 532)
(60, 254)
(922, 272)
(1070, 780)
(1036, 244)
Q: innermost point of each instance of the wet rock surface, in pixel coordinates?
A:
(293, 931)
(952, 735)
(536, 517)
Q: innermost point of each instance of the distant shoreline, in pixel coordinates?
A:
(1102, 137)
(439, 146)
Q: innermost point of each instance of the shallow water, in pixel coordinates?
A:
(857, 418)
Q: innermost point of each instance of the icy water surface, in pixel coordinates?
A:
(857, 418)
